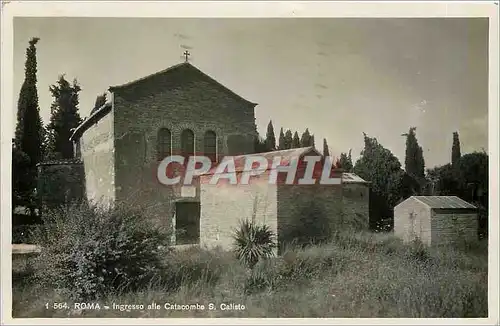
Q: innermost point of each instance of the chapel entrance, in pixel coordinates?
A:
(187, 223)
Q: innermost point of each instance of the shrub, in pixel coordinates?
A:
(253, 242)
(90, 251)
(23, 233)
(262, 277)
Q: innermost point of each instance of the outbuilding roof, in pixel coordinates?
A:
(353, 178)
(286, 156)
(444, 202)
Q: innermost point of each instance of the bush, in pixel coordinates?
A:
(253, 242)
(90, 252)
(24, 233)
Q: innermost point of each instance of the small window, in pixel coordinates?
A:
(164, 143)
(187, 142)
(210, 145)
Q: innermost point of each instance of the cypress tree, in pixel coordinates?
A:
(28, 139)
(270, 138)
(281, 144)
(326, 152)
(305, 140)
(455, 150)
(414, 158)
(295, 140)
(288, 139)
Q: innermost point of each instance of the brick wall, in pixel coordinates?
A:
(450, 227)
(299, 203)
(181, 100)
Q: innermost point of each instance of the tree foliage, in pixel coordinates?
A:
(282, 143)
(288, 139)
(305, 139)
(64, 118)
(346, 162)
(296, 140)
(326, 152)
(28, 141)
(414, 158)
(389, 183)
(455, 150)
(270, 138)
(99, 102)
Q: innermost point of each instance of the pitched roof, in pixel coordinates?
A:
(444, 202)
(286, 156)
(184, 65)
(98, 113)
(352, 178)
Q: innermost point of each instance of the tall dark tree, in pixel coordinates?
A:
(64, 118)
(346, 162)
(296, 140)
(288, 139)
(326, 152)
(455, 150)
(312, 142)
(270, 138)
(281, 143)
(382, 168)
(414, 158)
(305, 140)
(28, 141)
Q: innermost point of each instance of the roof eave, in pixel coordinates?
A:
(86, 123)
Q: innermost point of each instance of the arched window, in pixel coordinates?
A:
(164, 144)
(187, 142)
(210, 145)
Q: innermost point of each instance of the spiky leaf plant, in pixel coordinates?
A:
(253, 242)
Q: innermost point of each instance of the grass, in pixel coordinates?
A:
(354, 275)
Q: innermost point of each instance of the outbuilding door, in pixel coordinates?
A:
(187, 223)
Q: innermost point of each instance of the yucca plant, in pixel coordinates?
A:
(253, 242)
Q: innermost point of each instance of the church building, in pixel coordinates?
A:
(183, 111)
(177, 111)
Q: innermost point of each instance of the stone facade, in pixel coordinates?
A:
(435, 220)
(119, 143)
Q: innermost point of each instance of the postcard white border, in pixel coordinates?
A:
(242, 9)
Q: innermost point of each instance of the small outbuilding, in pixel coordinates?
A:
(435, 220)
(290, 210)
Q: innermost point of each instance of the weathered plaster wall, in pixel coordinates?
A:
(97, 153)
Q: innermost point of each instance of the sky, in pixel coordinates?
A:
(338, 77)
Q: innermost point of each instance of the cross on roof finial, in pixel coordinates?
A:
(186, 55)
